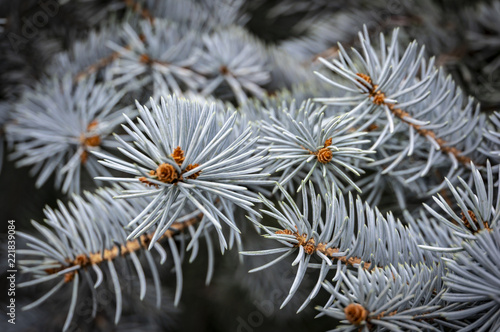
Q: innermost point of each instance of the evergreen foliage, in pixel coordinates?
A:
(310, 139)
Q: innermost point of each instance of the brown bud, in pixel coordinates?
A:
(366, 78)
(68, 277)
(84, 156)
(224, 70)
(147, 182)
(328, 142)
(379, 98)
(178, 155)
(194, 175)
(284, 231)
(144, 58)
(81, 260)
(310, 248)
(92, 141)
(92, 125)
(324, 155)
(355, 313)
(167, 173)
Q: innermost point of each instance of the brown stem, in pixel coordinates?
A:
(137, 7)
(331, 52)
(399, 113)
(310, 248)
(130, 246)
(101, 63)
(378, 98)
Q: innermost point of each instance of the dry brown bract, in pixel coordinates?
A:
(366, 78)
(89, 141)
(224, 70)
(474, 220)
(191, 167)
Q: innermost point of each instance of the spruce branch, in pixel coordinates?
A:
(346, 234)
(441, 130)
(57, 126)
(184, 154)
(98, 65)
(491, 134)
(191, 17)
(84, 261)
(473, 276)
(137, 7)
(394, 299)
(84, 242)
(160, 52)
(91, 56)
(195, 166)
(478, 208)
(234, 59)
(302, 144)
